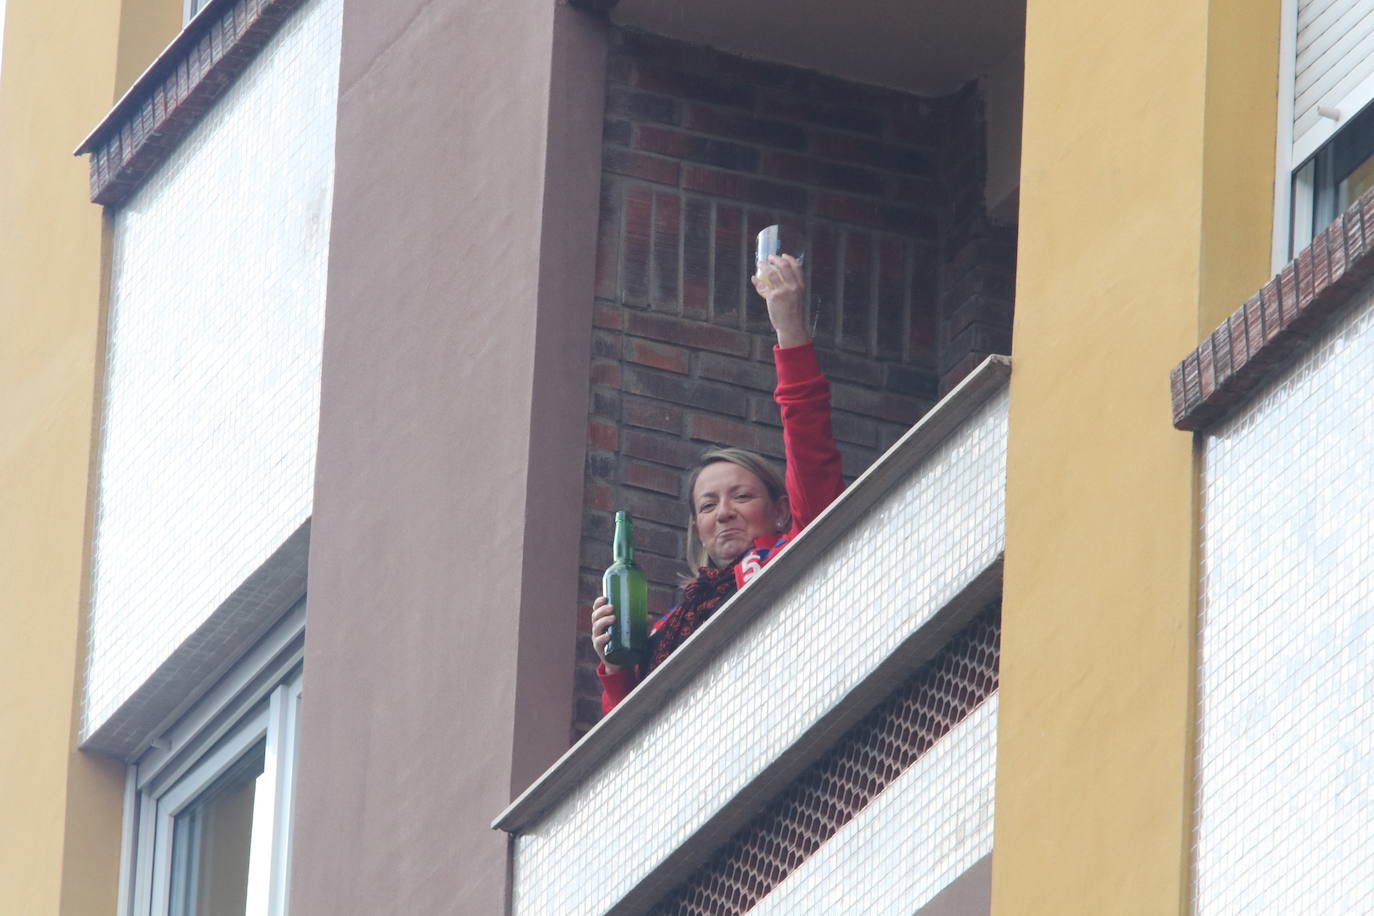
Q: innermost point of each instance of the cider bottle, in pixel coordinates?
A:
(625, 587)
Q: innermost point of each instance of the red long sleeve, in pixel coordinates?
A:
(813, 467)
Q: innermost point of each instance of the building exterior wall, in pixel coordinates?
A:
(1285, 700)
(467, 311)
(62, 68)
(1123, 250)
(453, 422)
(211, 397)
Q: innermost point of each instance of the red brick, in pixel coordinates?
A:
(653, 477)
(727, 289)
(824, 258)
(858, 430)
(745, 188)
(744, 373)
(1288, 297)
(689, 392)
(664, 540)
(696, 257)
(662, 569)
(882, 405)
(1335, 252)
(599, 496)
(1240, 350)
(774, 76)
(652, 414)
(641, 106)
(1356, 266)
(605, 373)
(643, 504)
(1192, 383)
(838, 117)
(668, 450)
(1305, 282)
(658, 78)
(788, 167)
(720, 431)
(1321, 268)
(608, 315)
(746, 128)
(1221, 350)
(891, 304)
(755, 308)
(660, 140)
(920, 192)
(855, 320)
(667, 243)
(849, 367)
(924, 314)
(641, 165)
(608, 243)
(1271, 298)
(1176, 395)
(636, 237)
(1207, 372)
(874, 154)
(1366, 209)
(601, 434)
(657, 355)
(847, 209)
(1254, 327)
(692, 334)
(595, 554)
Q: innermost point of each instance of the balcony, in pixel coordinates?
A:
(837, 717)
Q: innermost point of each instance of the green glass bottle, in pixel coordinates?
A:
(624, 585)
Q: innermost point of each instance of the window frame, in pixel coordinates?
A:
(257, 700)
(1294, 157)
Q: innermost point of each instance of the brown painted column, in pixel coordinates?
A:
(443, 567)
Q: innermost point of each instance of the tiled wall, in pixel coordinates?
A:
(821, 823)
(887, 861)
(887, 575)
(911, 284)
(1285, 807)
(211, 397)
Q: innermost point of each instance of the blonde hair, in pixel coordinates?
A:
(755, 464)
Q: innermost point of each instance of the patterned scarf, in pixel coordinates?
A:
(700, 599)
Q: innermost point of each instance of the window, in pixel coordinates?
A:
(208, 804)
(1333, 178)
(1326, 71)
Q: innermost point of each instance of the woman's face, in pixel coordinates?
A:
(731, 507)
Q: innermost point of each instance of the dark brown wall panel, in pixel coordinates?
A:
(452, 439)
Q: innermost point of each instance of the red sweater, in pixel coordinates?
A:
(813, 478)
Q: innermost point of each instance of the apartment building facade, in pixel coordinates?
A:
(350, 325)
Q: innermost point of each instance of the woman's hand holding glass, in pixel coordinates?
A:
(779, 282)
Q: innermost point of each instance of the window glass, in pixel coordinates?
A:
(1334, 178)
(216, 845)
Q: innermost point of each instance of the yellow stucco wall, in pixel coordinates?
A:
(1147, 177)
(60, 842)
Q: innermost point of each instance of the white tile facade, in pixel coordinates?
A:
(887, 861)
(881, 580)
(211, 401)
(1285, 805)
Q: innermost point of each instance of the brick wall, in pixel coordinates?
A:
(909, 283)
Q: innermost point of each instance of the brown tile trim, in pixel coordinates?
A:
(1258, 339)
(170, 97)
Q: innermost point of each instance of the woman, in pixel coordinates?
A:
(742, 512)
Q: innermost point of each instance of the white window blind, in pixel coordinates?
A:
(1334, 72)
